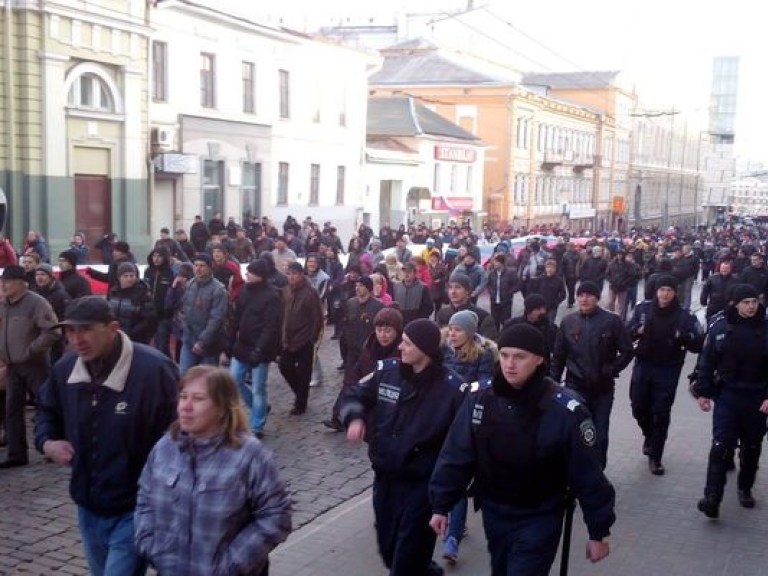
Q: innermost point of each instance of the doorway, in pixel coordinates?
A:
(93, 208)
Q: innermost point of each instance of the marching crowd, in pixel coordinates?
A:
(156, 395)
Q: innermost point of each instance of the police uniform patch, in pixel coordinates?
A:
(587, 432)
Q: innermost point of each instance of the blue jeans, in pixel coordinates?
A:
(254, 397)
(457, 520)
(108, 543)
(189, 358)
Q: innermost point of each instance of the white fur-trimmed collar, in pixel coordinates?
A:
(118, 376)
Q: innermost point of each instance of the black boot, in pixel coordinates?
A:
(746, 499)
(709, 506)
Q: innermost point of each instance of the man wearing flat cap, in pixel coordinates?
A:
(103, 408)
(592, 347)
(521, 443)
(27, 333)
(412, 402)
(664, 332)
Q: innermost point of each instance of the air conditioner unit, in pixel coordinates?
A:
(163, 138)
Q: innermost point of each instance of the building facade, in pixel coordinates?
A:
(253, 120)
(74, 117)
(420, 168)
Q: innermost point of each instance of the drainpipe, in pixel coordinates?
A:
(10, 106)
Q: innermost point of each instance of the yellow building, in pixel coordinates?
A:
(543, 163)
(73, 114)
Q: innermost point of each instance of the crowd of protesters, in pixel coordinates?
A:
(382, 294)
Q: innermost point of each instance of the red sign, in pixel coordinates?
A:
(454, 154)
(452, 203)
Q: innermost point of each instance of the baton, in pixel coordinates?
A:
(570, 506)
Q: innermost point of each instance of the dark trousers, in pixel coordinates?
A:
(652, 393)
(296, 368)
(736, 419)
(570, 287)
(501, 313)
(402, 512)
(521, 544)
(22, 378)
(599, 405)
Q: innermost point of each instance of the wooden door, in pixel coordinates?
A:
(93, 209)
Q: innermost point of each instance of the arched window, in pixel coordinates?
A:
(90, 92)
(90, 87)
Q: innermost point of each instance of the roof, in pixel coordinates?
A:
(404, 116)
(419, 62)
(597, 79)
(388, 143)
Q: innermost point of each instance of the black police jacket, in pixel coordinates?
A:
(735, 355)
(524, 449)
(410, 414)
(667, 333)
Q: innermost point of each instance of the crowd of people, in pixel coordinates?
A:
(455, 395)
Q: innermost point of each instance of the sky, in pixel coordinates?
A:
(664, 47)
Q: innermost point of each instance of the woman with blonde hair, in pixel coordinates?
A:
(474, 359)
(210, 500)
(380, 291)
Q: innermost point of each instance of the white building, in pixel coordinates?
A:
(420, 167)
(749, 197)
(253, 120)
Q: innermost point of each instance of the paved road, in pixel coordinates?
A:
(658, 529)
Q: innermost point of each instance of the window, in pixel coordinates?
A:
(90, 92)
(282, 183)
(249, 87)
(341, 173)
(314, 185)
(207, 80)
(469, 180)
(436, 179)
(159, 71)
(285, 94)
(213, 184)
(250, 191)
(454, 177)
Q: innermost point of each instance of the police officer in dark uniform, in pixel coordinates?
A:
(411, 402)
(594, 346)
(733, 371)
(663, 331)
(523, 442)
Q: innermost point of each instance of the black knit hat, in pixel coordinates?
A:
(425, 335)
(666, 280)
(589, 287)
(70, 257)
(743, 291)
(258, 268)
(534, 301)
(523, 337)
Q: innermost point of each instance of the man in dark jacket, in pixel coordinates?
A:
(503, 283)
(132, 305)
(75, 284)
(664, 332)
(459, 298)
(199, 234)
(52, 290)
(551, 286)
(716, 291)
(358, 320)
(302, 327)
(756, 274)
(254, 340)
(685, 268)
(159, 277)
(571, 266)
(594, 268)
(733, 371)
(92, 417)
(535, 314)
(594, 346)
(413, 402)
(121, 252)
(523, 443)
(412, 296)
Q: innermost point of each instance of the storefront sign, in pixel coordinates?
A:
(454, 154)
(453, 203)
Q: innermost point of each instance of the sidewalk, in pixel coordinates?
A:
(658, 531)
